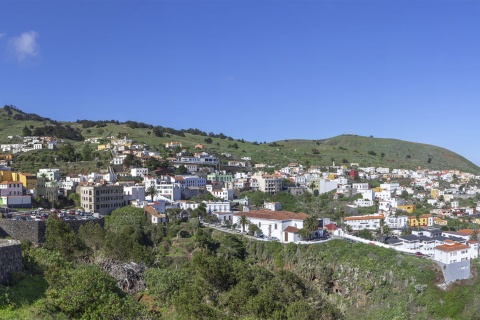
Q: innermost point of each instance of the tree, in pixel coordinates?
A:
(181, 170)
(365, 234)
(311, 223)
(474, 236)
(243, 221)
(253, 229)
(26, 131)
(304, 234)
(152, 192)
(75, 197)
(90, 293)
(60, 237)
(404, 194)
(87, 152)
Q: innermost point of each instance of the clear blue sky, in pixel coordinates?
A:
(257, 70)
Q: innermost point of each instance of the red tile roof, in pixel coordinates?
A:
(291, 229)
(452, 247)
(151, 211)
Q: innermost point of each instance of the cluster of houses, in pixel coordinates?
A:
(29, 143)
(102, 192)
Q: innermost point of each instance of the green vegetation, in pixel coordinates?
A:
(198, 273)
(367, 151)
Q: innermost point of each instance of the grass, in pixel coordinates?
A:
(23, 296)
(343, 149)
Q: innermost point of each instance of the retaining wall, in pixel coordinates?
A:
(10, 259)
(34, 231)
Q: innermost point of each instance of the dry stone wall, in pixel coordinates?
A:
(34, 231)
(10, 259)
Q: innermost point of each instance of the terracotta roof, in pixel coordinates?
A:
(291, 229)
(363, 217)
(466, 231)
(9, 182)
(151, 211)
(273, 215)
(452, 247)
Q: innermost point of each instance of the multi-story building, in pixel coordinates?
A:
(269, 183)
(370, 222)
(219, 206)
(11, 188)
(139, 172)
(136, 192)
(220, 177)
(49, 174)
(101, 198)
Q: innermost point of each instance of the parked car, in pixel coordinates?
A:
(419, 254)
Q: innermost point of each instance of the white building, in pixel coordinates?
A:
(280, 224)
(399, 222)
(370, 222)
(50, 174)
(451, 252)
(154, 216)
(138, 172)
(136, 192)
(218, 206)
(273, 206)
(186, 205)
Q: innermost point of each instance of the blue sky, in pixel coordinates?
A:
(257, 70)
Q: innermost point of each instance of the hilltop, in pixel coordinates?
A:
(343, 149)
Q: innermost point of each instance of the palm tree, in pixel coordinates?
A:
(243, 221)
(311, 223)
(151, 191)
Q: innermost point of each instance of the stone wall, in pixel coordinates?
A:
(34, 231)
(10, 259)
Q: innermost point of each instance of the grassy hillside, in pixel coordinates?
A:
(344, 149)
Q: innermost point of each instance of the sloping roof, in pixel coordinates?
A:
(466, 231)
(291, 229)
(151, 211)
(452, 247)
(273, 215)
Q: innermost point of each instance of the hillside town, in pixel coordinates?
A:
(383, 206)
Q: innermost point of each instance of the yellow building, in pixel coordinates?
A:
(377, 189)
(440, 222)
(28, 180)
(332, 176)
(6, 175)
(408, 207)
(423, 221)
(101, 147)
(434, 193)
(6, 157)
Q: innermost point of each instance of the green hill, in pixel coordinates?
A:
(344, 149)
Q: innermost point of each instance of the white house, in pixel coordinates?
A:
(218, 206)
(273, 206)
(136, 192)
(370, 222)
(153, 215)
(275, 223)
(451, 252)
(139, 172)
(224, 217)
(185, 205)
